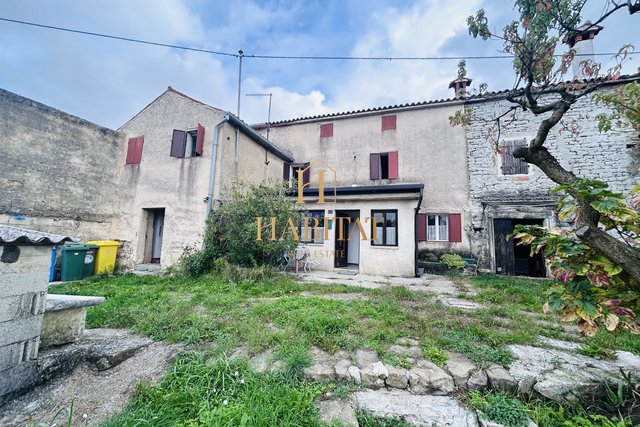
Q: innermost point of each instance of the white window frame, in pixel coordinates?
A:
(437, 227)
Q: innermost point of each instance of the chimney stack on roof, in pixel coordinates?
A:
(582, 41)
(460, 86)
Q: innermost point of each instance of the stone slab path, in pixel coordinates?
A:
(115, 362)
(443, 288)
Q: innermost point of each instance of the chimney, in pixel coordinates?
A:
(460, 86)
(582, 41)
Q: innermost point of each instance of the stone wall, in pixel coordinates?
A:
(612, 157)
(58, 170)
(23, 290)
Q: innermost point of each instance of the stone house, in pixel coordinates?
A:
(398, 182)
(403, 167)
(504, 191)
(180, 156)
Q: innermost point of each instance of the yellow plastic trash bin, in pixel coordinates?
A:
(106, 256)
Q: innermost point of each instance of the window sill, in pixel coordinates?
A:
(385, 247)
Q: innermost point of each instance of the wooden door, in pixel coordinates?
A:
(505, 261)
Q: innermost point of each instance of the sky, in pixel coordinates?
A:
(109, 81)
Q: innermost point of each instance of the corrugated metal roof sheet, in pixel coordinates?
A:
(17, 235)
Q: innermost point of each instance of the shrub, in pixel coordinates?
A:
(500, 408)
(232, 230)
(453, 261)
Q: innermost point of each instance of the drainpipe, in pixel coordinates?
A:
(415, 234)
(214, 155)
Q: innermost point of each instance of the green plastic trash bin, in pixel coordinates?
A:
(77, 262)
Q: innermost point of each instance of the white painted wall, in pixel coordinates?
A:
(377, 260)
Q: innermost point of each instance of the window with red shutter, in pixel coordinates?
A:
(421, 227)
(200, 140)
(388, 122)
(455, 227)
(374, 166)
(134, 150)
(393, 165)
(326, 130)
(383, 165)
(178, 143)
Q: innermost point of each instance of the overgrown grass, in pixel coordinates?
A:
(198, 391)
(513, 292)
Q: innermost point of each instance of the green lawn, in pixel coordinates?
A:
(268, 311)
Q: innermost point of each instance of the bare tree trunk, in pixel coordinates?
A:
(587, 229)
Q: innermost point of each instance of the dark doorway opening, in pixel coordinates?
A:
(514, 259)
(154, 230)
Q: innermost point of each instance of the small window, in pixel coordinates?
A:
(383, 165)
(290, 173)
(192, 137)
(326, 130)
(438, 228)
(511, 165)
(312, 236)
(385, 226)
(187, 143)
(388, 122)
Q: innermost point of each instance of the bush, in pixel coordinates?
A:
(232, 230)
(453, 261)
(500, 408)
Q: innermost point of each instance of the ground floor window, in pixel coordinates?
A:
(311, 236)
(385, 223)
(438, 228)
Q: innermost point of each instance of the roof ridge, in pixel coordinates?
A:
(627, 77)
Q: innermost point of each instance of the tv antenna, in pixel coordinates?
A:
(270, 95)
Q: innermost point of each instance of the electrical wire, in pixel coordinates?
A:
(280, 57)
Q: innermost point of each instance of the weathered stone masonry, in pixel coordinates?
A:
(58, 170)
(612, 157)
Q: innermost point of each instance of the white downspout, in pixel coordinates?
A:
(214, 155)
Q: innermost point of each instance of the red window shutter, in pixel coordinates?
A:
(422, 227)
(455, 228)
(138, 150)
(131, 151)
(178, 143)
(286, 168)
(388, 122)
(326, 130)
(306, 176)
(393, 165)
(374, 166)
(200, 140)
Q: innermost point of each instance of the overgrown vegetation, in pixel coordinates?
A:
(453, 261)
(597, 261)
(239, 307)
(500, 408)
(233, 233)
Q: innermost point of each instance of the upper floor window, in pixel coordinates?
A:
(187, 143)
(326, 130)
(388, 122)
(511, 165)
(385, 227)
(290, 172)
(383, 165)
(134, 150)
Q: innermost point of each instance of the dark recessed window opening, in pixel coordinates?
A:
(384, 166)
